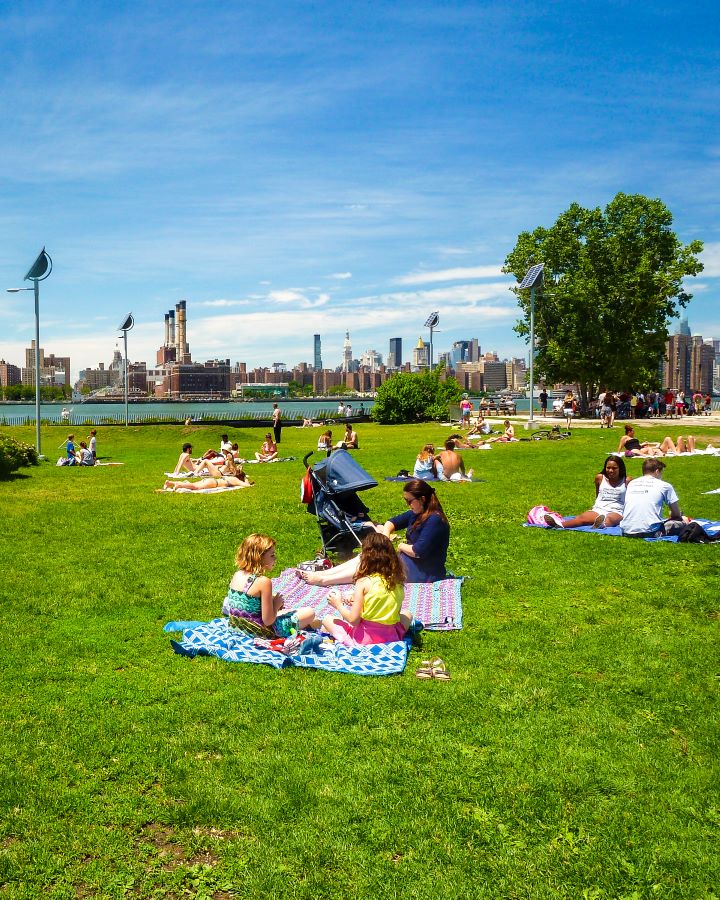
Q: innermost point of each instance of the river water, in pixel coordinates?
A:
(104, 413)
(108, 413)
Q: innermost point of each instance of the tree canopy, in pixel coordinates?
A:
(613, 281)
(414, 397)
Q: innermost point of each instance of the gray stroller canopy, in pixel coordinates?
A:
(340, 473)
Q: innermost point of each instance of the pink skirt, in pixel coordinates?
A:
(366, 632)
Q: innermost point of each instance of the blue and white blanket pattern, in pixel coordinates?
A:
(710, 527)
(216, 638)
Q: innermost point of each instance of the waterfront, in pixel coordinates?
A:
(164, 412)
(108, 413)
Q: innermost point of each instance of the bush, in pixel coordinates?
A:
(415, 397)
(15, 454)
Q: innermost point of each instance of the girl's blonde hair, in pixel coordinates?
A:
(379, 557)
(427, 452)
(250, 553)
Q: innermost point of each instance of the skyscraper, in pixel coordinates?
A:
(347, 354)
(421, 355)
(395, 354)
(317, 359)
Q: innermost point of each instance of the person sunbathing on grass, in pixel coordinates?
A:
(268, 451)
(235, 477)
(507, 437)
(185, 461)
(610, 487)
(630, 445)
(450, 465)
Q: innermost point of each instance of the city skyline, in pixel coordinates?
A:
(289, 170)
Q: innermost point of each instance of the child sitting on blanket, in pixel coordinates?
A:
(371, 615)
(250, 593)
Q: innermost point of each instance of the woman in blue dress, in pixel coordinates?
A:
(423, 553)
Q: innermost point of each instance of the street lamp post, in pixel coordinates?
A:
(37, 272)
(432, 323)
(533, 278)
(125, 326)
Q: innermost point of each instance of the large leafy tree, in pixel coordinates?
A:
(415, 397)
(613, 281)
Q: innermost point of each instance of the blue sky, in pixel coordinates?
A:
(291, 168)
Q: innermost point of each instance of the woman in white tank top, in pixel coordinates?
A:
(610, 486)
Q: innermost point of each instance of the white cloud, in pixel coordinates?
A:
(710, 258)
(341, 276)
(458, 274)
(292, 295)
(224, 303)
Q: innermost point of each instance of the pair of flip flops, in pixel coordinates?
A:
(433, 668)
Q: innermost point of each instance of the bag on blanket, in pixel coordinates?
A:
(537, 514)
(694, 533)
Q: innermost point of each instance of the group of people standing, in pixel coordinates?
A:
(650, 404)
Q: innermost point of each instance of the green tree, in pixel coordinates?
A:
(415, 397)
(613, 281)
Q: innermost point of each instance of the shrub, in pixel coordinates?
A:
(15, 454)
(415, 397)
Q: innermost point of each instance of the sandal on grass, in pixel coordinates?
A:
(439, 670)
(425, 671)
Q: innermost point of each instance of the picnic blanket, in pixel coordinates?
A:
(709, 451)
(217, 638)
(255, 462)
(215, 490)
(437, 604)
(711, 527)
(427, 478)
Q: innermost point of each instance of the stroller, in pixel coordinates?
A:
(342, 517)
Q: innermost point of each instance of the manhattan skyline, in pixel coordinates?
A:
(290, 170)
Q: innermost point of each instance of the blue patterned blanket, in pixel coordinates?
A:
(216, 638)
(712, 528)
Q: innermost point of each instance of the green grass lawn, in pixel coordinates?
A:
(573, 754)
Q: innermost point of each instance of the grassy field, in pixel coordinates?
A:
(573, 754)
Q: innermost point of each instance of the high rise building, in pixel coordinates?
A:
(347, 354)
(688, 363)
(9, 374)
(317, 358)
(53, 369)
(371, 360)
(421, 355)
(395, 354)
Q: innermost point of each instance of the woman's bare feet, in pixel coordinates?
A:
(308, 577)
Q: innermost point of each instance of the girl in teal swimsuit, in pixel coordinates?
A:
(250, 593)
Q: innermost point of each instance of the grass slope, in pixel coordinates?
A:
(573, 754)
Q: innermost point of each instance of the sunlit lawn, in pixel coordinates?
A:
(573, 754)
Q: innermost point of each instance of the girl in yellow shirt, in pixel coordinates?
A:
(371, 615)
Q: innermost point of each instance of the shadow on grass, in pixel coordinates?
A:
(14, 476)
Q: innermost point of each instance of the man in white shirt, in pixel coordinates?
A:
(644, 501)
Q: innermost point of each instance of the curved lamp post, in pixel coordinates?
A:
(532, 279)
(125, 326)
(432, 323)
(38, 271)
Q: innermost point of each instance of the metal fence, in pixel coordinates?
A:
(137, 418)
